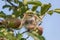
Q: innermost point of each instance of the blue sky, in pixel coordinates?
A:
(51, 24)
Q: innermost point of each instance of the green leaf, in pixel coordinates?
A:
(16, 1)
(45, 8)
(19, 36)
(36, 36)
(11, 24)
(38, 3)
(23, 39)
(10, 36)
(25, 2)
(8, 16)
(16, 13)
(34, 7)
(57, 10)
(31, 34)
(50, 12)
(1, 34)
(2, 14)
(5, 6)
(9, 0)
(21, 11)
(8, 6)
(21, 4)
(42, 38)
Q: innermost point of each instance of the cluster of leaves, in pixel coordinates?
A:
(23, 7)
(19, 10)
(9, 35)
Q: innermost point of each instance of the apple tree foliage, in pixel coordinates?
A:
(21, 16)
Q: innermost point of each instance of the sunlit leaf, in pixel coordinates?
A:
(45, 8)
(38, 3)
(10, 36)
(50, 12)
(25, 2)
(57, 10)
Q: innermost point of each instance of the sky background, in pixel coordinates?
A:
(51, 24)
